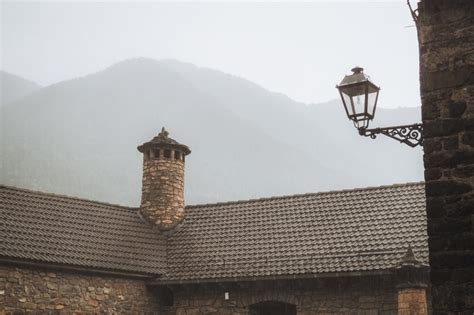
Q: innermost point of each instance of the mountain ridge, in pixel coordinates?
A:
(14, 87)
(78, 137)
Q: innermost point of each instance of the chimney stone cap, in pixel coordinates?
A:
(163, 141)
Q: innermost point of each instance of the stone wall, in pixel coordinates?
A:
(47, 291)
(163, 188)
(446, 35)
(355, 295)
(37, 291)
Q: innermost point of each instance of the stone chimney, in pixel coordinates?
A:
(412, 277)
(163, 181)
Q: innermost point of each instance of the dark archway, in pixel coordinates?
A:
(272, 308)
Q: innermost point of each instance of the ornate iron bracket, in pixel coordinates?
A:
(411, 135)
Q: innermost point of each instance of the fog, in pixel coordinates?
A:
(250, 87)
(299, 49)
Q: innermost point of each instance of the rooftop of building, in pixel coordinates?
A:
(348, 231)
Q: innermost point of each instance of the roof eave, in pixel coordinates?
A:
(72, 268)
(380, 272)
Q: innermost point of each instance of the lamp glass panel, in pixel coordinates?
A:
(359, 104)
(357, 94)
(347, 103)
(371, 99)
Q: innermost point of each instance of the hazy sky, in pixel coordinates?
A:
(299, 49)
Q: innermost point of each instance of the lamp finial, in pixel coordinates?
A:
(357, 69)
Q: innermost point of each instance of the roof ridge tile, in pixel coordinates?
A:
(308, 194)
(64, 196)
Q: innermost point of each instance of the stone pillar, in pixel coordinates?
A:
(412, 278)
(163, 181)
(446, 38)
(412, 301)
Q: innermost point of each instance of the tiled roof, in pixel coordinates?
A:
(50, 228)
(342, 231)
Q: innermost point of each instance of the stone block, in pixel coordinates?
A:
(445, 187)
(432, 145)
(442, 127)
(447, 78)
(29, 305)
(208, 310)
(450, 143)
(93, 303)
(51, 285)
(456, 109)
(435, 207)
(461, 209)
(193, 311)
(464, 171)
(469, 123)
(438, 159)
(446, 225)
(468, 138)
(452, 260)
(433, 173)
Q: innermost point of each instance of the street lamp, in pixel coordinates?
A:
(359, 96)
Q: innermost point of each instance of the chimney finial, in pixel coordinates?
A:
(163, 133)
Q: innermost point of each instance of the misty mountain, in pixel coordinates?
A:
(321, 130)
(79, 137)
(13, 87)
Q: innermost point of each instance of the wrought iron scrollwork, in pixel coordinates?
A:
(411, 135)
